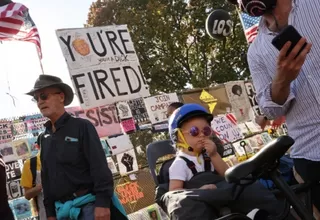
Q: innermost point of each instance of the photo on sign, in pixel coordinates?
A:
(21, 148)
(124, 111)
(120, 144)
(154, 213)
(157, 106)
(21, 208)
(239, 100)
(127, 162)
(7, 152)
(14, 190)
(112, 166)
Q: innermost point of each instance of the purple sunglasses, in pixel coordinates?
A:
(195, 131)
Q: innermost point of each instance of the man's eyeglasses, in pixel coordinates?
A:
(195, 131)
(43, 96)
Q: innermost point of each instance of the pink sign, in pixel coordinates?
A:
(103, 118)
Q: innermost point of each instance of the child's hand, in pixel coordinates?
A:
(208, 186)
(210, 147)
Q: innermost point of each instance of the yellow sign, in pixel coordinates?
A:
(209, 99)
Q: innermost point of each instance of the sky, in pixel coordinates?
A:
(19, 62)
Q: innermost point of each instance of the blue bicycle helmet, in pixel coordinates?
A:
(183, 114)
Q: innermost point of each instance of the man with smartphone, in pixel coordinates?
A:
(287, 81)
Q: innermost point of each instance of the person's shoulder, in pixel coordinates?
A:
(178, 163)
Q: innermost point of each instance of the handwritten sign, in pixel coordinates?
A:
(5, 132)
(225, 127)
(103, 65)
(129, 193)
(139, 111)
(251, 91)
(103, 118)
(157, 106)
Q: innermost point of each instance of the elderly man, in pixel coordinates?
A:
(288, 85)
(76, 180)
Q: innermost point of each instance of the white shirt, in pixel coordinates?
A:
(302, 108)
(179, 169)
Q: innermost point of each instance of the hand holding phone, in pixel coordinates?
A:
(293, 51)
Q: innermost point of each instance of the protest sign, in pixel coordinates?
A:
(124, 111)
(103, 65)
(251, 92)
(35, 124)
(139, 111)
(5, 131)
(14, 190)
(13, 170)
(239, 100)
(127, 162)
(19, 129)
(21, 208)
(157, 106)
(225, 127)
(21, 148)
(103, 118)
(7, 152)
(119, 144)
(112, 165)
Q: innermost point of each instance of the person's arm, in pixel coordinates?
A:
(26, 182)
(177, 175)
(99, 170)
(219, 165)
(30, 193)
(265, 86)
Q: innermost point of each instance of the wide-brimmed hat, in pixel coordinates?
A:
(45, 81)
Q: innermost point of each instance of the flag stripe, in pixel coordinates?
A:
(16, 24)
(250, 26)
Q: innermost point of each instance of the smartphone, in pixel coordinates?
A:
(288, 34)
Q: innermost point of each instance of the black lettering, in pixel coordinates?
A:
(116, 80)
(126, 68)
(141, 74)
(93, 86)
(112, 41)
(78, 86)
(67, 43)
(102, 81)
(98, 114)
(123, 41)
(104, 113)
(89, 115)
(100, 54)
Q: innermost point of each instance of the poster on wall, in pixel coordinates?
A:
(251, 92)
(21, 208)
(5, 132)
(157, 106)
(124, 111)
(21, 148)
(103, 65)
(7, 152)
(19, 129)
(103, 118)
(239, 100)
(139, 111)
(35, 124)
(105, 146)
(120, 144)
(14, 189)
(13, 170)
(127, 162)
(226, 128)
(112, 166)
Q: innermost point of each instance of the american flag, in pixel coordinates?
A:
(16, 24)
(250, 26)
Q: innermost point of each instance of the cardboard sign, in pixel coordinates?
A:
(120, 144)
(215, 99)
(239, 100)
(157, 106)
(103, 118)
(103, 65)
(127, 162)
(225, 127)
(251, 92)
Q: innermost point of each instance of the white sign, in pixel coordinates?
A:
(112, 165)
(127, 162)
(225, 127)
(124, 110)
(157, 106)
(119, 144)
(103, 65)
